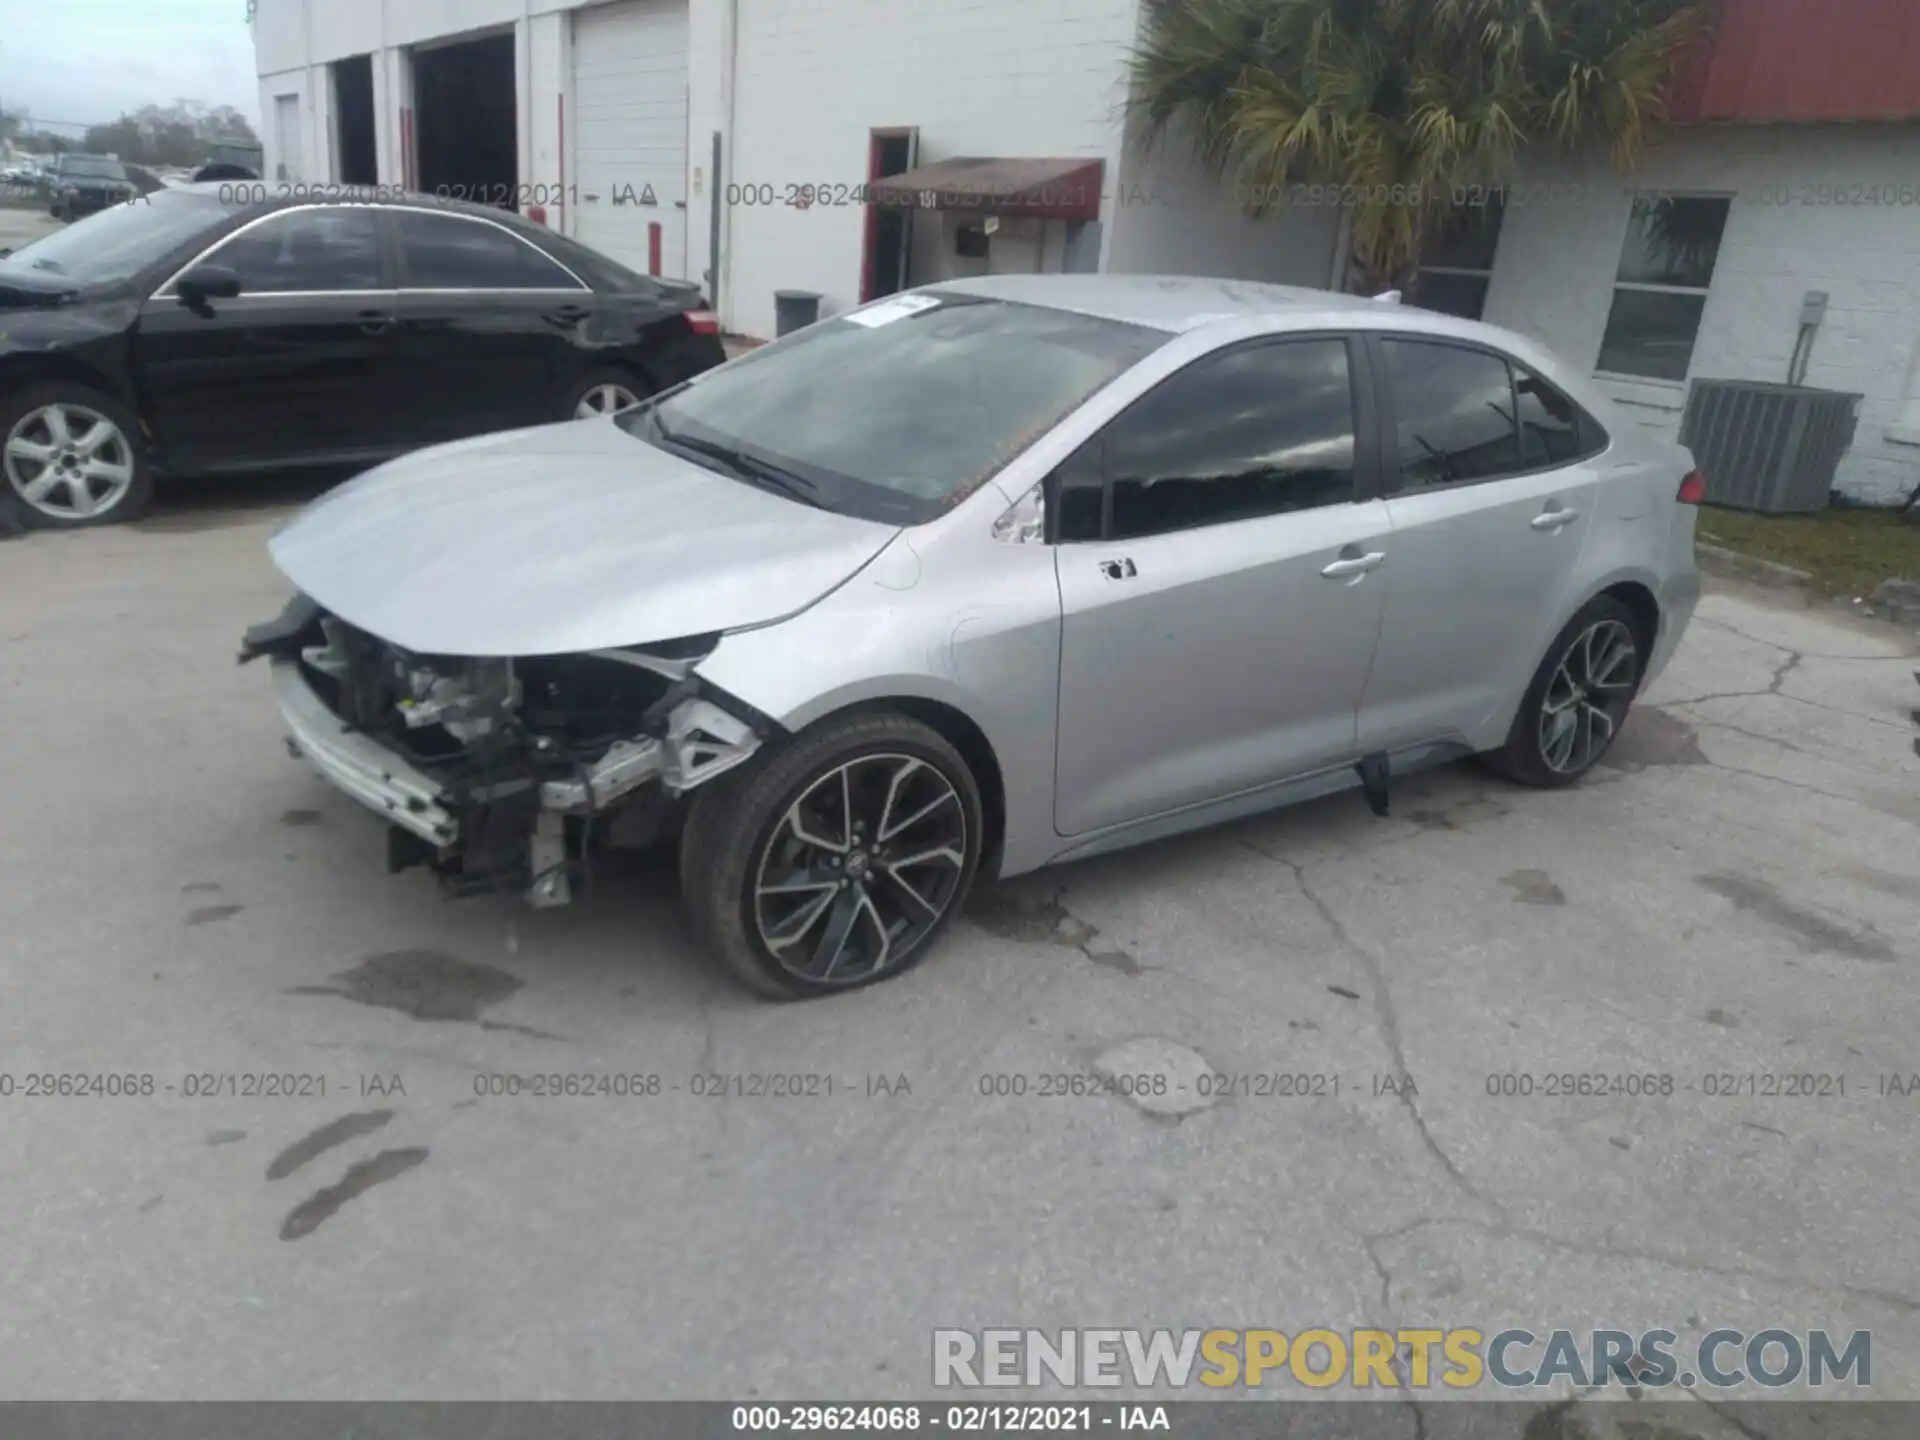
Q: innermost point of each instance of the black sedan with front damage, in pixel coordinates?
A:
(202, 330)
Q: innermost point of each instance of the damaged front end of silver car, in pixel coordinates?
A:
(503, 775)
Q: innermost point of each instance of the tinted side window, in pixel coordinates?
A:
(1079, 493)
(449, 252)
(1455, 414)
(1256, 431)
(1553, 430)
(327, 249)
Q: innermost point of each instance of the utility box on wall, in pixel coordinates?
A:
(1766, 447)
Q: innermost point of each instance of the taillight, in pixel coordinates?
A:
(703, 322)
(1693, 489)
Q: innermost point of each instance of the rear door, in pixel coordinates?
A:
(1220, 604)
(298, 366)
(1492, 498)
(490, 327)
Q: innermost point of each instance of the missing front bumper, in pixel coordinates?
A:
(451, 826)
(359, 764)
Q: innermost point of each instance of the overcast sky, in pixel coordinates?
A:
(94, 60)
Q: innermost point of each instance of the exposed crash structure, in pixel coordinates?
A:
(498, 774)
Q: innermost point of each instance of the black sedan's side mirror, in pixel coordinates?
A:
(208, 282)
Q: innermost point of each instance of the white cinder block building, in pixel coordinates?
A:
(737, 141)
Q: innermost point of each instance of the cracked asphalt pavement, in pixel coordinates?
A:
(1735, 896)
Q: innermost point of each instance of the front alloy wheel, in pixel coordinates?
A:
(864, 862)
(835, 860)
(70, 455)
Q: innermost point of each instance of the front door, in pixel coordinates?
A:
(297, 367)
(1218, 586)
(487, 326)
(1489, 516)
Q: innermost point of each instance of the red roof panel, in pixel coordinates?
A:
(1806, 60)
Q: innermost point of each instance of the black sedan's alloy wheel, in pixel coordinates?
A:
(835, 862)
(71, 457)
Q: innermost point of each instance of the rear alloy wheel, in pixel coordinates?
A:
(606, 393)
(71, 458)
(836, 862)
(1578, 699)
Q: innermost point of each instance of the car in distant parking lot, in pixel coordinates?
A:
(205, 328)
(84, 184)
(977, 578)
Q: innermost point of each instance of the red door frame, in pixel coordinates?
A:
(871, 232)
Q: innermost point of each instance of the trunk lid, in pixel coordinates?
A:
(564, 538)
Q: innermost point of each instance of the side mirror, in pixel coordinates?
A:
(209, 282)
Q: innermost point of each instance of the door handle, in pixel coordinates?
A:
(1554, 519)
(568, 315)
(1118, 569)
(1354, 565)
(375, 322)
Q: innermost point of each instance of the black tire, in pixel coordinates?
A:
(1532, 754)
(128, 503)
(604, 378)
(739, 819)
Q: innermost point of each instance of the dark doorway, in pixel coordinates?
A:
(465, 125)
(353, 120)
(889, 228)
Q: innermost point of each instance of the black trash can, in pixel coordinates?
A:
(794, 310)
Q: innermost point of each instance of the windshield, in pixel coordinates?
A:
(898, 411)
(120, 242)
(91, 167)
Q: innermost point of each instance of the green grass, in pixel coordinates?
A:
(1848, 552)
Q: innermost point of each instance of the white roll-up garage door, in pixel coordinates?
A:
(628, 166)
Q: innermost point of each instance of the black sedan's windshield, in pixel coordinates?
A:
(119, 243)
(90, 167)
(897, 411)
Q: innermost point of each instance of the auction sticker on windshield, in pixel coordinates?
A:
(896, 308)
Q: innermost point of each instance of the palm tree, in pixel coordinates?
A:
(1404, 104)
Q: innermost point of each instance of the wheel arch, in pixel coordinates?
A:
(942, 714)
(22, 371)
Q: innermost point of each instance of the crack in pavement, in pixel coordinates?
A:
(1387, 1019)
(1505, 1230)
(1798, 655)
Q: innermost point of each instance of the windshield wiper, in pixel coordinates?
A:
(794, 487)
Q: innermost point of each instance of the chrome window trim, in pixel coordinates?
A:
(565, 269)
(168, 292)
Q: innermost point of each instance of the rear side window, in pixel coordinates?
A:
(1260, 430)
(1454, 414)
(452, 252)
(1553, 430)
(1464, 415)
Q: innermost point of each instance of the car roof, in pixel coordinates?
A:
(1177, 304)
(277, 196)
(1173, 303)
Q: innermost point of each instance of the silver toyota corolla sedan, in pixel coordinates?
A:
(977, 578)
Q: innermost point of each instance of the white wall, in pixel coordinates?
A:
(978, 77)
(1553, 276)
(1171, 218)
